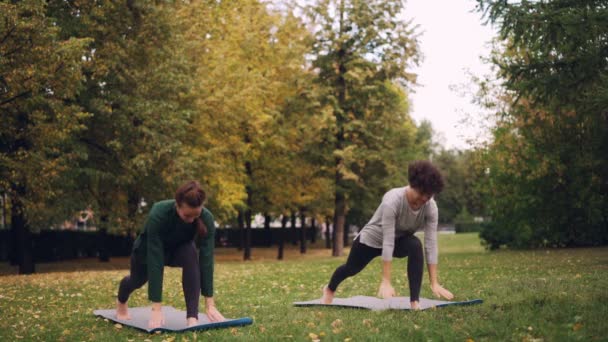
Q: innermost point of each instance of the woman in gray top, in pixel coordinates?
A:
(390, 233)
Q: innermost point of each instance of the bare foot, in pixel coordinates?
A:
(122, 311)
(190, 321)
(415, 305)
(328, 295)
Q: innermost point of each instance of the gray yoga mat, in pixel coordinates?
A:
(175, 320)
(395, 303)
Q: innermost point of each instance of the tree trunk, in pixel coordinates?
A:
(340, 198)
(282, 237)
(346, 232)
(302, 233)
(294, 231)
(247, 249)
(241, 224)
(267, 231)
(13, 246)
(23, 254)
(313, 233)
(327, 234)
(104, 254)
(249, 171)
(339, 218)
(133, 200)
(4, 211)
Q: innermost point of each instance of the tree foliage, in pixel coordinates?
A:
(548, 172)
(461, 196)
(361, 53)
(275, 109)
(40, 75)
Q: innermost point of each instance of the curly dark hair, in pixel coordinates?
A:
(425, 177)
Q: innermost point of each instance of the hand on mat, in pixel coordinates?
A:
(157, 319)
(214, 315)
(386, 290)
(439, 292)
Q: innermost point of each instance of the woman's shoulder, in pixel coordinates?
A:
(431, 203)
(162, 208)
(394, 196)
(206, 213)
(168, 203)
(208, 218)
(430, 208)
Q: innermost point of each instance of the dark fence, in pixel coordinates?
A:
(57, 245)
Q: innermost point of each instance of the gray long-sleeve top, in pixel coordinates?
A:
(394, 218)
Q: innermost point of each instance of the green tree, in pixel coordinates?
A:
(463, 177)
(40, 76)
(136, 89)
(361, 51)
(251, 83)
(547, 165)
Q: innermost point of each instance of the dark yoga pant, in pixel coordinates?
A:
(185, 256)
(361, 254)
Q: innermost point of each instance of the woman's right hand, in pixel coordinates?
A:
(157, 318)
(386, 290)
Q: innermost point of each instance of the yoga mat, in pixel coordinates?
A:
(395, 303)
(175, 320)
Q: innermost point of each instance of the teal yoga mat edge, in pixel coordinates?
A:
(238, 322)
(463, 303)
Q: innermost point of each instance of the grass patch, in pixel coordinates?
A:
(549, 295)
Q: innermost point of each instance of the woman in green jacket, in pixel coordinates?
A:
(170, 237)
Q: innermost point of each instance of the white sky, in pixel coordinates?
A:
(453, 38)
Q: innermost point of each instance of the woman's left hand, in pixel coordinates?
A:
(439, 292)
(214, 315)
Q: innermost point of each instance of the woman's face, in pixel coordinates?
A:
(187, 213)
(417, 199)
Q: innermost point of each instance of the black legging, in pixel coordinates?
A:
(185, 256)
(361, 254)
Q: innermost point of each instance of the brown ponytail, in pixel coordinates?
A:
(201, 228)
(192, 195)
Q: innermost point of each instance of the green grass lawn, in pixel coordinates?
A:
(542, 295)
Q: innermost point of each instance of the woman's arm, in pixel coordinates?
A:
(432, 251)
(155, 264)
(389, 219)
(155, 256)
(206, 262)
(437, 289)
(386, 290)
(206, 258)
